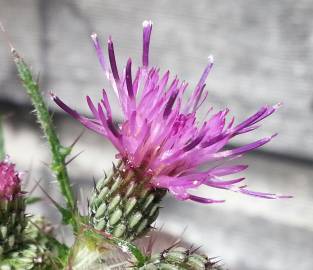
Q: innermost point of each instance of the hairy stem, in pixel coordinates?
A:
(59, 153)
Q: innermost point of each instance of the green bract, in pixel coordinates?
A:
(124, 205)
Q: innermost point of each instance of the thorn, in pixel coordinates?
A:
(95, 185)
(78, 138)
(114, 168)
(215, 262)
(175, 244)
(54, 202)
(35, 186)
(188, 250)
(29, 170)
(6, 37)
(196, 249)
(74, 157)
(46, 164)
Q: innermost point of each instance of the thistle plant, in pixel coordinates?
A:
(37, 250)
(162, 148)
(161, 144)
(12, 208)
(25, 242)
(180, 258)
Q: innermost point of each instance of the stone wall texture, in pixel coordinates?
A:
(263, 52)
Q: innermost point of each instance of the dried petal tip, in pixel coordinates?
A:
(10, 183)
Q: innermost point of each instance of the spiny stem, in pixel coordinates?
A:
(59, 153)
(2, 150)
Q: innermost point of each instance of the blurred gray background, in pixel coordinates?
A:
(263, 55)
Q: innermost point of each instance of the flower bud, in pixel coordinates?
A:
(180, 258)
(12, 208)
(124, 205)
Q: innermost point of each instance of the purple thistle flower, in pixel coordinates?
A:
(10, 182)
(160, 135)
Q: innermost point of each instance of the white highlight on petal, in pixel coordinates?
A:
(211, 58)
(278, 105)
(146, 23)
(94, 36)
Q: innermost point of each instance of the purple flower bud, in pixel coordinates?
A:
(10, 182)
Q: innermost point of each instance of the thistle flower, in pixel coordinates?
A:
(12, 208)
(160, 137)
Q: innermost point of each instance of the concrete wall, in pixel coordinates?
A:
(263, 52)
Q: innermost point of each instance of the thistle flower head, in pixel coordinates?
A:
(10, 182)
(160, 136)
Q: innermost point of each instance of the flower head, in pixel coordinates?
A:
(160, 135)
(10, 182)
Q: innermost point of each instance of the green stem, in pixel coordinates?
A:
(59, 153)
(2, 150)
